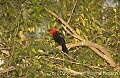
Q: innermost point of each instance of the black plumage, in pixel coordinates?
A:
(58, 37)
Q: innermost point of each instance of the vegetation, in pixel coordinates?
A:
(91, 31)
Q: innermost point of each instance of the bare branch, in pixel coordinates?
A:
(67, 30)
(104, 54)
(66, 24)
(10, 68)
(72, 71)
(68, 71)
(72, 11)
(5, 51)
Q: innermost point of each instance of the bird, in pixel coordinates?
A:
(58, 38)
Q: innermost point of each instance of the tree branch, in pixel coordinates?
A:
(72, 11)
(68, 71)
(10, 69)
(5, 51)
(105, 55)
(66, 24)
(102, 52)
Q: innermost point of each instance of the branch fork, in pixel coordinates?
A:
(101, 51)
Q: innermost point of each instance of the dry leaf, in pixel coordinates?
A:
(68, 1)
(78, 31)
(6, 52)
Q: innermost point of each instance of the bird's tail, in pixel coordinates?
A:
(64, 48)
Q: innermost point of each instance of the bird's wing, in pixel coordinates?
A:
(61, 35)
(58, 37)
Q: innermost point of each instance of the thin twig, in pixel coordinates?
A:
(67, 30)
(72, 11)
(10, 68)
(69, 71)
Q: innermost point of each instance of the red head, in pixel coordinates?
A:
(53, 30)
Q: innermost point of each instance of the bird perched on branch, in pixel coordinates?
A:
(58, 37)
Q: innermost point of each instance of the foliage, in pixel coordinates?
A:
(33, 53)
